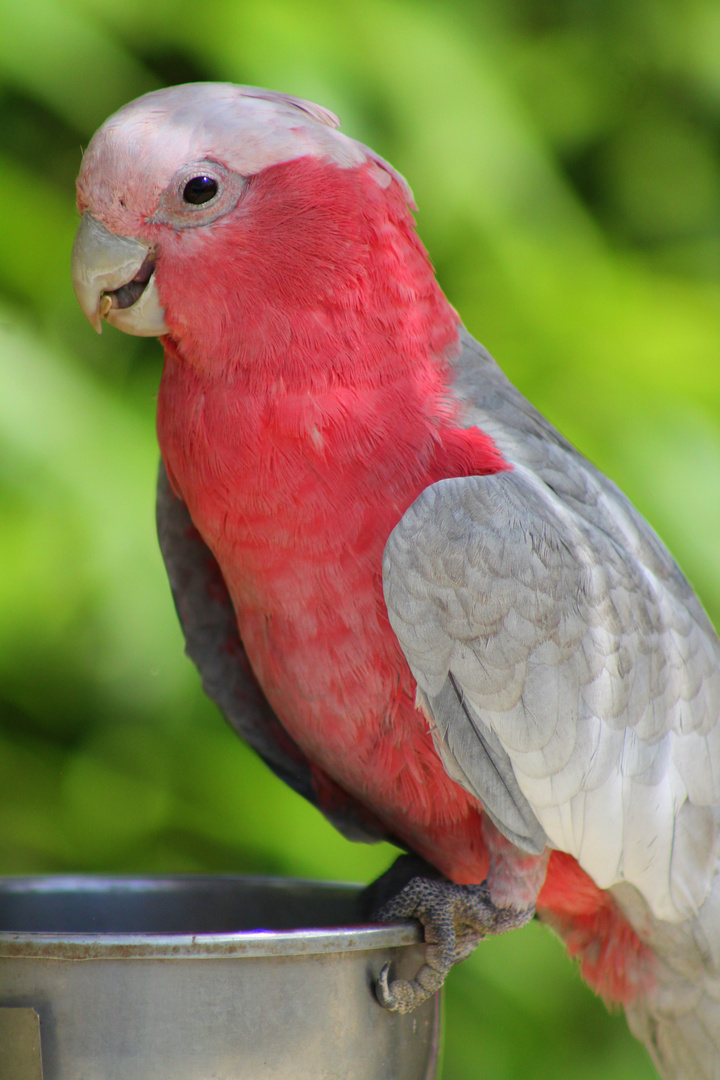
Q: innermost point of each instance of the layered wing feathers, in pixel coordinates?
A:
(538, 606)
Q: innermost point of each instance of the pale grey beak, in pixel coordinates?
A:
(114, 279)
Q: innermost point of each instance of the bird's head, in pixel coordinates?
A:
(209, 208)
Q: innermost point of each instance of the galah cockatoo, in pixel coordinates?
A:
(424, 609)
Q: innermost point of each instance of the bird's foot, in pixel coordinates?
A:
(455, 919)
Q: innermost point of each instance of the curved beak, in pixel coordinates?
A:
(113, 278)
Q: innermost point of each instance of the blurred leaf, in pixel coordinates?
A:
(67, 61)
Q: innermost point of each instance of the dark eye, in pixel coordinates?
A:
(200, 189)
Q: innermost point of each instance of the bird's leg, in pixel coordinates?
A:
(455, 919)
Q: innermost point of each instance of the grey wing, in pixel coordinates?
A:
(572, 676)
(213, 643)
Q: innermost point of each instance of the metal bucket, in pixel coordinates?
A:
(202, 978)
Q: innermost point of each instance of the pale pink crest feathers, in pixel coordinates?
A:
(134, 155)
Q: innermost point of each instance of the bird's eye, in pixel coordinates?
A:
(200, 189)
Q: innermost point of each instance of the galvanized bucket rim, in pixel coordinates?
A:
(184, 946)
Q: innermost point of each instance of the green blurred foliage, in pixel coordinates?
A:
(565, 157)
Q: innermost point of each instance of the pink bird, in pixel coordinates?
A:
(426, 611)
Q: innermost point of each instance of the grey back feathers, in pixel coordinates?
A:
(536, 605)
(573, 681)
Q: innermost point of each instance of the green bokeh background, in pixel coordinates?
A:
(566, 160)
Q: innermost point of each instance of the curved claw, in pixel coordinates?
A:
(455, 919)
(403, 995)
(383, 992)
